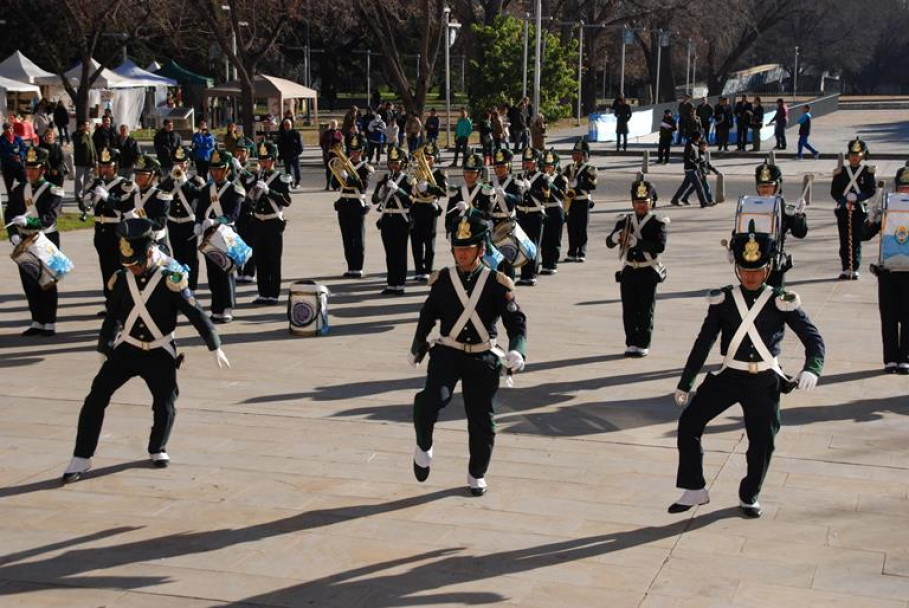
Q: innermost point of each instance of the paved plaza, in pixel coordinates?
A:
(291, 481)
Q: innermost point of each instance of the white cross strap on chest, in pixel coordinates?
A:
(215, 197)
(747, 327)
(277, 212)
(31, 209)
(140, 311)
(190, 216)
(391, 196)
(636, 228)
(853, 186)
(469, 314)
(500, 208)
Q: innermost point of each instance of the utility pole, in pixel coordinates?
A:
(795, 74)
(526, 32)
(580, 66)
(537, 59)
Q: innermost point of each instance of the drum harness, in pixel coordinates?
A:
(853, 181)
(216, 200)
(357, 196)
(140, 310)
(103, 219)
(190, 215)
(538, 204)
(636, 227)
(390, 196)
(30, 208)
(469, 314)
(277, 213)
(499, 209)
(139, 207)
(749, 316)
(577, 174)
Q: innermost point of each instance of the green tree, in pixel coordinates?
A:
(498, 73)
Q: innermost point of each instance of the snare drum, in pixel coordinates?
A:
(41, 260)
(225, 248)
(894, 250)
(765, 211)
(513, 243)
(307, 309)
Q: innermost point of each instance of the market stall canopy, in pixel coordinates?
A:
(14, 86)
(19, 67)
(130, 70)
(265, 86)
(176, 72)
(108, 79)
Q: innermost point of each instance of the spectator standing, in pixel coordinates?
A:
(433, 125)
(486, 140)
(401, 118)
(166, 143)
(685, 107)
(12, 157)
(414, 130)
(61, 121)
(327, 141)
(743, 115)
(56, 159)
(85, 157)
(392, 133)
(463, 130)
(203, 144)
(622, 112)
(538, 132)
(805, 133)
(779, 122)
(231, 137)
(351, 118)
(668, 126)
(104, 136)
(722, 121)
(498, 129)
(290, 147)
(692, 158)
(375, 134)
(757, 121)
(42, 120)
(129, 151)
(518, 126)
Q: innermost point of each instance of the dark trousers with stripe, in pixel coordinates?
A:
(107, 245)
(638, 289)
(479, 376)
(759, 395)
(532, 224)
(159, 371)
(42, 303)
(552, 237)
(269, 247)
(850, 253)
(351, 219)
(395, 231)
(893, 303)
(184, 245)
(222, 286)
(578, 219)
(423, 236)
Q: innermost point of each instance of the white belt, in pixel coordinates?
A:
(500, 216)
(582, 197)
(264, 217)
(165, 342)
(181, 220)
(532, 209)
(647, 264)
(388, 211)
(103, 219)
(482, 347)
(356, 197)
(160, 235)
(752, 367)
(553, 205)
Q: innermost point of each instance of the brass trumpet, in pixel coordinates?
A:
(339, 164)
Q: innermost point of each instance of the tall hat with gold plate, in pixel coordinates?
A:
(182, 154)
(502, 156)
(549, 158)
(245, 143)
(220, 159)
(857, 146)
(471, 229)
(136, 238)
(528, 155)
(431, 149)
(766, 173)
(752, 250)
(147, 164)
(642, 190)
(473, 162)
(356, 142)
(267, 151)
(902, 176)
(396, 154)
(108, 156)
(36, 157)
(582, 146)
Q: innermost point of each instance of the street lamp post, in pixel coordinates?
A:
(622, 77)
(688, 71)
(662, 37)
(580, 66)
(537, 58)
(446, 13)
(795, 74)
(369, 78)
(526, 31)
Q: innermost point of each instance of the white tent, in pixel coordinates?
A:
(108, 79)
(130, 70)
(8, 85)
(19, 67)
(124, 96)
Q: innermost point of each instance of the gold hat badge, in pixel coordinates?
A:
(140, 164)
(393, 154)
(215, 157)
(752, 250)
(31, 156)
(105, 155)
(263, 151)
(499, 155)
(642, 190)
(125, 248)
(464, 230)
(856, 147)
(765, 173)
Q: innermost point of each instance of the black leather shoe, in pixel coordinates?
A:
(72, 477)
(160, 464)
(477, 491)
(101, 314)
(388, 292)
(32, 331)
(421, 473)
(677, 508)
(47, 333)
(751, 511)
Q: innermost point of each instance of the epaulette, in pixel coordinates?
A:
(165, 196)
(787, 301)
(433, 277)
(661, 218)
(286, 178)
(113, 280)
(57, 191)
(504, 280)
(176, 281)
(871, 168)
(718, 296)
(621, 217)
(127, 186)
(369, 168)
(591, 170)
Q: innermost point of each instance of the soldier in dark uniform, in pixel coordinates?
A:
(393, 200)
(641, 236)
(110, 199)
(893, 293)
(473, 194)
(532, 212)
(352, 207)
(750, 320)
(137, 339)
(33, 207)
(245, 171)
(150, 201)
(553, 191)
(851, 187)
(269, 196)
(184, 244)
(219, 202)
(582, 180)
(466, 350)
(507, 194)
(722, 119)
(425, 213)
(769, 182)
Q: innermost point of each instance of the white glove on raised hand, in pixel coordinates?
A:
(631, 241)
(851, 197)
(392, 187)
(221, 359)
(500, 191)
(19, 220)
(422, 186)
(682, 397)
(461, 206)
(208, 223)
(15, 240)
(801, 206)
(101, 192)
(807, 381)
(262, 187)
(197, 229)
(514, 361)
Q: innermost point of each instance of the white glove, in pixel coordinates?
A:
(391, 186)
(422, 186)
(461, 206)
(262, 186)
(15, 240)
(130, 215)
(197, 229)
(682, 397)
(875, 215)
(514, 361)
(412, 360)
(807, 381)
(851, 197)
(19, 220)
(573, 184)
(500, 191)
(221, 359)
(631, 241)
(208, 223)
(344, 175)
(101, 192)
(801, 206)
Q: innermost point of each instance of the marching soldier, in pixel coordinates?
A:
(531, 212)
(245, 172)
(137, 339)
(110, 199)
(467, 300)
(893, 292)
(473, 194)
(393, 199)
(641, 237)
(582, 180)
(425, 213)
(751, 319)
(269, 196)
(33, 207)
(184, 191)
(769, 182)
(219, 203)
(352, 207)
(553, 191)
(507, 194)
(851, 187)
(150, 201)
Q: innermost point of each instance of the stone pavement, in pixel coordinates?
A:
(291, 482)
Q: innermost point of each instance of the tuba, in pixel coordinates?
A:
(422, 171)
(340, 163)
